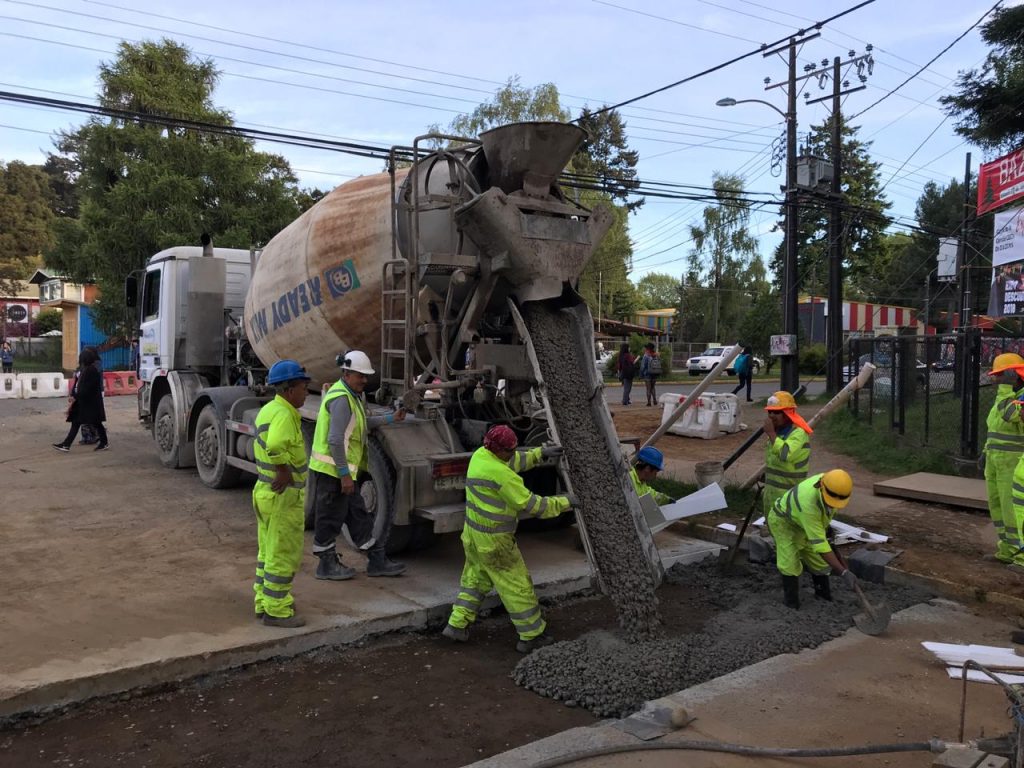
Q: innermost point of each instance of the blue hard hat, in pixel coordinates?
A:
(286, 370)
(652, 456)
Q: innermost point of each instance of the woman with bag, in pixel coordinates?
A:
(627, 371)
(87, 404)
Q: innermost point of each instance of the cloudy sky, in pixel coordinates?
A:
(382, 72)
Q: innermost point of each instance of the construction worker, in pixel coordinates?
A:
(649, 462)
(279, 495)
(495, 499)
(788, 451)
(338, 456)
(798, 521)
(1004, 448)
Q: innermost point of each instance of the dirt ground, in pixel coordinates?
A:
(934, 540)
(398, 702)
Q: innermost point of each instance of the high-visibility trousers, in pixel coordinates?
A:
(1013, 525)
(999, 473)
(501, 567)
(280, 520)
(792, 552)
(769, 495)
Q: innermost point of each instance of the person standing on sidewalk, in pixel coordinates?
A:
(279, 496)
(339, 456)
(1004, 448)
(650, 370)
(7, 357)
(789, 448)
(627, 371)
(744, 367)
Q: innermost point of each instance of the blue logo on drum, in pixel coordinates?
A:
(340, 280)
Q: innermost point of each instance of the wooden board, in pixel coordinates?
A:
(942, 489)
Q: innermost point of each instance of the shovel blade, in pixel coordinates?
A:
(873, 625)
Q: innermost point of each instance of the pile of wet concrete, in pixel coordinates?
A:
(595, 473)
(612, 677)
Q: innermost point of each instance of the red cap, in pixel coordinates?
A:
(500, 438)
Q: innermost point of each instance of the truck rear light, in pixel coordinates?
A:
(449, 468)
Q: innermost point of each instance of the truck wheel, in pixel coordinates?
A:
(378, 492)
(211, 452)
(164, 433)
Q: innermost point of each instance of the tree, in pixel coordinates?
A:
(989, 103)
(656, 290)
(26, 221)
(864, 219)
(47, 320)
(762, 320)
(512, 103)
(724, 253)
(142, 187)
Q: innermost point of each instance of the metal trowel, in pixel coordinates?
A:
(875, 618)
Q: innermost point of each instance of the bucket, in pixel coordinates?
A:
(708, 472)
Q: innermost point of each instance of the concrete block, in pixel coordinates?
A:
(869, 564)
(959, 757)
(994, 761)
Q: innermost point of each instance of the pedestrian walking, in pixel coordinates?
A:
(627, 372)
(650, 371)
(1004, 448)
(744, 367)
(7, 357)
(496, 498)
(789, 448)
(339, 456)
(86, 407)
(279, 496)
(798, 521)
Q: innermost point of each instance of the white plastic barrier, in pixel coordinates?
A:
(10, 387)
(43, 385)
(710, 416)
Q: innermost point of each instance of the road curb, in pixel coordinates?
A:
(52, 695)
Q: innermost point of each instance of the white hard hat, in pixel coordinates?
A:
(357, 361)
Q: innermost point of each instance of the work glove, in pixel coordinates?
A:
(574, 503)
(551, 452)
(849, 577)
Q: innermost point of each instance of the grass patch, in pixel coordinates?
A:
(36, 365)
(736, 498)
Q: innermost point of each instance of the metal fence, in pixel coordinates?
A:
(929, 389)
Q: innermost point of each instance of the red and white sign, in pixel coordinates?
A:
(1001, 181)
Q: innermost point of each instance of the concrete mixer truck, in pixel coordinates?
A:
(415, 266)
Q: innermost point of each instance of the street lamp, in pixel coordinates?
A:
(790, 374)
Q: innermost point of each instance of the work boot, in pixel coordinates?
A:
(284, 622)
(791, 592)
(529, 646)
(822, 587)
(331, 568)
(378, 564)
(456, 634)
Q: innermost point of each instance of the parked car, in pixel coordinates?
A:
(883, 365)
(710, 357)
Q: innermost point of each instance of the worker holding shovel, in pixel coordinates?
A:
(1004, 447)
(788, 451)
(798, 521)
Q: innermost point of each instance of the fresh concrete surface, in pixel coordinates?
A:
(965, 492)
(854, 690)
(120, 573)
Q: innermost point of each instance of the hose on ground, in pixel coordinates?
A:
(934, 745)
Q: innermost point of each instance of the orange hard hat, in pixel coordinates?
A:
(1005, 362)
(780, 401)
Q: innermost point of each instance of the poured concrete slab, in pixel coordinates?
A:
(941, 489)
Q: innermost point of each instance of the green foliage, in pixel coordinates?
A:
(47, 320)
(762, 320)
(879, 449)
(656, 290)
(145, 187)
(26, 221)
(989, 103)
(813, 358)
(864, 221)
(512, 103)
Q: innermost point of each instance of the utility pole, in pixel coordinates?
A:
(963, 258)
(834, 329)
(790, 368)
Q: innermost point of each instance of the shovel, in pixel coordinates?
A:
(726, 558)
(875, 618)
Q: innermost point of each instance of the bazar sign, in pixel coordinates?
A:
(1001, 181)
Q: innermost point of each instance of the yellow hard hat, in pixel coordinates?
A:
(1005, 362)
(780, 401)
(836, 486)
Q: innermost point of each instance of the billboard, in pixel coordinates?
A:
(1006, 298)
(1001, 181)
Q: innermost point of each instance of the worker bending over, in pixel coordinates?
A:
(649, 462)
(278, 498)
(788, 451)
(1004, 448)
(340, 453)
(798, 521)
(495, 499)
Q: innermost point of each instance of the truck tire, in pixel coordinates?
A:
(211, 453)
(165, 435)
(378, 491)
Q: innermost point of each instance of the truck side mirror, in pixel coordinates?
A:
(131, 291)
